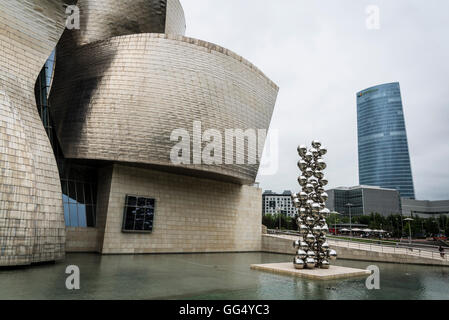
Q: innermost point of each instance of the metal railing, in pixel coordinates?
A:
(379, 246)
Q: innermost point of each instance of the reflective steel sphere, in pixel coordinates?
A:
(324, 196)
(302, 150)
(316, 207)
(313, 196)
(302, 165)
(320, 164)
(310, 238)
(310, 263)
(316, 230)
(302, 254)
(308, 188)
(325, 246)
(333, 255)
(323, 151)
(314, 152)
(316, 144)
(323, 181)
(299, 263)
(308, 156)
(319, 174)
(310, 222)
(304, 246)
(319, 189)
(321, 239)
(311, 254)
(297, 203)
(303, 229)
(314, 182)
(296, 244)
(303, 196)
(302, 180)
(325, 212)
(309, 172)
(325, 264)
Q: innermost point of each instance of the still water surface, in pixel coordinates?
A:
(212, 276)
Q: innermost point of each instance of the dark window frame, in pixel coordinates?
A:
(125, 211)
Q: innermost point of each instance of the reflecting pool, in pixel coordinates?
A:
(212, 276)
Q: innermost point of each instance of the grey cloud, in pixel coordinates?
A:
(320, 54)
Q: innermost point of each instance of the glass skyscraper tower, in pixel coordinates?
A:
(384, 158)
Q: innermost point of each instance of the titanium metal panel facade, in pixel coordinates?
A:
(122, 84)
(31, 217)
(104, 19)
(120, 99)
(384, 158)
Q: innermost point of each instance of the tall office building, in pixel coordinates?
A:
(384, 158)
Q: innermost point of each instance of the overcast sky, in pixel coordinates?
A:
(321, 53)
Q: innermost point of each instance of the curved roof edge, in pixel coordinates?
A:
(377, 86)
(201, 43)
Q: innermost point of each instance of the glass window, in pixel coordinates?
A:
(82, 215)
(79, 197)
(138, 214)
(73, 215)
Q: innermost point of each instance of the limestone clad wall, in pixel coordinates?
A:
(206, 216)
(31, 216)
(82, 240)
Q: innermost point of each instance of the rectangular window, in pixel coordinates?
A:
(138, 215)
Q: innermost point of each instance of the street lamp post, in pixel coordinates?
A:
(278, 211)
(349, 205)
(410, 229)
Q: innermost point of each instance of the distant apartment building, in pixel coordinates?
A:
(364, 200)
(273, 203)
(425, 208)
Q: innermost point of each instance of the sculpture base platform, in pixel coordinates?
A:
(334, 272)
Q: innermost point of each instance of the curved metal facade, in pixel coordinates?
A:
(175, 21)
(104, 19)
(122, 84)
(120, 99)
(384, 158)
(31, 217)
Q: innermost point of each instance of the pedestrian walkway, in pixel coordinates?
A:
(282, 243)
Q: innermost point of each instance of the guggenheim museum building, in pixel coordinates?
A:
(87, 117)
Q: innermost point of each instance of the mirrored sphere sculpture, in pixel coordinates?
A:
(314, 251)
